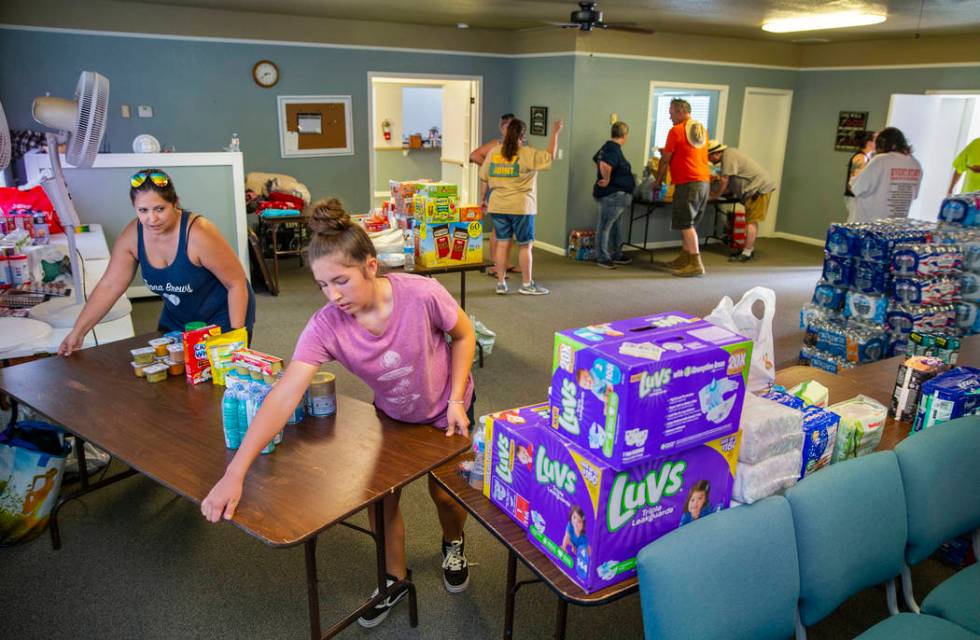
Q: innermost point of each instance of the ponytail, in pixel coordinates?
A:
(512, 139)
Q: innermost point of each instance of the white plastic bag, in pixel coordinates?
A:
(741, 319)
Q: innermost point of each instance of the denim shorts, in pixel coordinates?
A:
(519, 227)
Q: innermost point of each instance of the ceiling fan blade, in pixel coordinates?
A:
(614, 26)
(563, 25)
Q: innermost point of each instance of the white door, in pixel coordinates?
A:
(932, 125)
(456, 142)
(762, 137)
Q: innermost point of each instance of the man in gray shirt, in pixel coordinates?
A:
(745, 179)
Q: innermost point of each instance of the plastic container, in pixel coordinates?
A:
(236, 143)
(160, 346)
(409, 239)
(138, 369)
(20, 272)
(479, 450)
(156, 372)
(321, 397)
(176, 352)
(230, 416)
(5, 278)
(143, 355)
(174, 368)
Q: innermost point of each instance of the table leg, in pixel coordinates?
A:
(275, 253)
(646, 233)
(462, 290)
(561, 619)
(511, 594)
(312, 590)
(82, 462)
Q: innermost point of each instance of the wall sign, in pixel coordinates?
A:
(849, 124)
(539, 121)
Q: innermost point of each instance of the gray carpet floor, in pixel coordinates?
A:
(139, 562)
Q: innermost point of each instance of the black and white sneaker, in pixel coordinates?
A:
(377, 615)
(455, 574)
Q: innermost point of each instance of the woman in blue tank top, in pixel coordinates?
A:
(182, 257)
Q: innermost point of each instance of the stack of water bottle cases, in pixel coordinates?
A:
(884, 279)
(640, 436)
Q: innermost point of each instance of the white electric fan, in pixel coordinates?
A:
(82, 121)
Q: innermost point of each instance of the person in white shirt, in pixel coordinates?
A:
(890, 182)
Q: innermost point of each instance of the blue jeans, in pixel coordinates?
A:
(607, 235)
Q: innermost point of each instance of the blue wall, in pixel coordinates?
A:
(203, 91)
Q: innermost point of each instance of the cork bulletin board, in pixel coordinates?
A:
(315, 126)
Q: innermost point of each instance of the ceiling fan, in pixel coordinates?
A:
(588, 17)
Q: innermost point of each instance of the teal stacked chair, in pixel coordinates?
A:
(733, 575)
(851, 531)
(940, 470)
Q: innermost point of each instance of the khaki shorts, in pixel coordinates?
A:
(690, 200)
(757, 207)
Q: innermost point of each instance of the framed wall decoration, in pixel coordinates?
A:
(849, 124)
(311, 126)
(539, 121)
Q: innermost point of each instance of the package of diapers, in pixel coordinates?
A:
(508, 458)
(819, 432)
(948, 396)
(757, 481)
(591, 520)
(862, 420)
(635, 396)
(768, 429)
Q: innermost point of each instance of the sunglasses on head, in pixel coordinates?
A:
(158, 178)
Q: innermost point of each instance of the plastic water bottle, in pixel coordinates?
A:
(409, 239)
(236, 143)
(230, 417)
(479, 447)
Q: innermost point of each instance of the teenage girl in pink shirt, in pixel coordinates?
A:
(389, 330)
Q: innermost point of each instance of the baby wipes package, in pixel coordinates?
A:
(634, 398)
(862, 419)
(591, 520)
(768, 429)
(948, 396)
(766, 477)
(509, 456)
(811, 392)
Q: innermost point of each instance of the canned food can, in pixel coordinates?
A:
(321, 397)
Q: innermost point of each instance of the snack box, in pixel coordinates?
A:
(450, 244)
(439, 190)
(197, 366)
(257, 361)
(469, 212)
(591, 520)
(434, 210)
(508, 458)
(631, 398)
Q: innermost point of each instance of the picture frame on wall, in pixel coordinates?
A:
(538, 124)
(314, 126)
(849, 124)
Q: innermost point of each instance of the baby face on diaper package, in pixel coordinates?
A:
(509, 456)
(637, 397)
(591, 520)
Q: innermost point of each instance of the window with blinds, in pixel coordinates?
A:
(704, 107)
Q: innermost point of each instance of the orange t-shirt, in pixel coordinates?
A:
(687, 164)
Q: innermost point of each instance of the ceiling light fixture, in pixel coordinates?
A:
(823, 21)
(462, 25)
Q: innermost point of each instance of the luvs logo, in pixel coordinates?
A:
(567, 418)
(504, 468)
(626, 498)
(651, 381)
(553, 471)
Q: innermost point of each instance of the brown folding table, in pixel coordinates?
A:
(324, 471)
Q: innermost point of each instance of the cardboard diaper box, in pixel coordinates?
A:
(448, 244)
(633, 390)
(509, 456)
(591, 520)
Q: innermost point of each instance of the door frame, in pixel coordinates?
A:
(768, 226)
(476, 120)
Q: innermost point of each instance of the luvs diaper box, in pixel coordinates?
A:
(592, 520)
(448, 244)
(633, 390)
(509, 456)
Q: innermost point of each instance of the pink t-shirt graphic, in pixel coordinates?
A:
(409, 365)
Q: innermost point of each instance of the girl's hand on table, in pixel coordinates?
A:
(456, 420)
(222, 500)
(71, 343)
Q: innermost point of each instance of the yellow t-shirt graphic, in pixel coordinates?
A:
(513, 181)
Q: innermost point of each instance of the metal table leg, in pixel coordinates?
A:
(510, 595)
(312, 590)
(275, 252)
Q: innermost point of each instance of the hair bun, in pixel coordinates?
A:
(329, 218)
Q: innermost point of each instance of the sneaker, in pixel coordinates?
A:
(741, 257)
(502, 289)
(532, 288)
(622, 260)
(455, 574)
(606, 265)
(377, 615)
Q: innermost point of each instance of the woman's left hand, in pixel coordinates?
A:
(456, 421)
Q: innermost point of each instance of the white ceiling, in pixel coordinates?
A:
(736, 18)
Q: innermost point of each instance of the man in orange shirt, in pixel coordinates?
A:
(686, 152)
